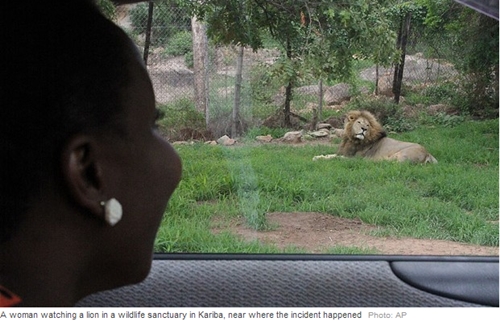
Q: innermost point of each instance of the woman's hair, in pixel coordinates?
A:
(63, 70)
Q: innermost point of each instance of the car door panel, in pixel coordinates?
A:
(309, 280)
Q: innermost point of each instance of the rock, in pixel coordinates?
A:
(264, 139)
(332, 95)
(335, 95)
(320, 133)
(385, 85)
(226, 141)
(292, 137)
(181, 142)
(308, 137)
(310, 107)
(308, 90)
(323, 126)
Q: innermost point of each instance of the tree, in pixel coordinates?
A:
(237, 94)
(470, 40)
(402, 14)
(317, 37)
(200, 64)
(149, 25)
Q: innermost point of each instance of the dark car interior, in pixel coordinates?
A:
(205, 280)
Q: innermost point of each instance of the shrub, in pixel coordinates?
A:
(263, 131)
(180, 44)
(178, 115)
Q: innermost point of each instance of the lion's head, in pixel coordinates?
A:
(362, 128)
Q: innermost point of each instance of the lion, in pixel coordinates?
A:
(364, 136)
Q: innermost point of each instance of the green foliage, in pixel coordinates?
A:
(107, 8)
(317, 38)
(443, 120)
(264, 85)
(285, 70)
(139, 17)
(441, 93)
(180, 114)
(398, 10)
(189, 59)
(263, 131)
(180, 44)
(449, 93)
(168, 19)
(471, 45)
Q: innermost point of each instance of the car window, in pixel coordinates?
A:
(273, 160)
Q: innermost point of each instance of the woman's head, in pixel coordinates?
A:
(63, 69)
(77, 112)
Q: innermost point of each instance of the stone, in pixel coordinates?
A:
(320, 133)
(181, 142)
(323, 126)
(264, 139)
(226, 141)
(292, 137)
(337, 94)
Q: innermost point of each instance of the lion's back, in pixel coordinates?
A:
(392, 149)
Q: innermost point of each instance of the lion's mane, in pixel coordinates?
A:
(350, 144)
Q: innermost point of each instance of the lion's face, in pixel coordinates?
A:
(362, 126)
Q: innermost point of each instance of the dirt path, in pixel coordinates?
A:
(316, 232)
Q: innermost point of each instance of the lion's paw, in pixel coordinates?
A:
(329, 156)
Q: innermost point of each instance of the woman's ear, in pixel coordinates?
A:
(82, 173)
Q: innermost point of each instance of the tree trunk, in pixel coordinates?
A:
(288, 92)
(147, 42)
(286, 110)
(200, 65)
(237, 94)
(404, 30)
(317, 116)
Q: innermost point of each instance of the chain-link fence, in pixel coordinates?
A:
(170, 61)
(170, 44)
(171, 66)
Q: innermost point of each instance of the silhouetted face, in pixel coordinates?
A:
(142, 171)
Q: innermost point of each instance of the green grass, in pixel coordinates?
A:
(456, 199)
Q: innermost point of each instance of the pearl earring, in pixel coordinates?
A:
(112, 211)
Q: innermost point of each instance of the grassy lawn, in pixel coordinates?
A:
(456, 199)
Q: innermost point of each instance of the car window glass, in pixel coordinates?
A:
(267, 164)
